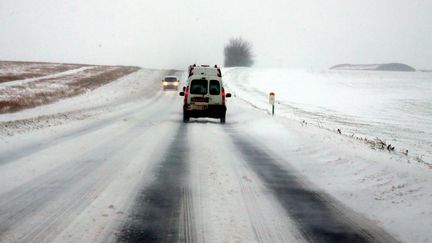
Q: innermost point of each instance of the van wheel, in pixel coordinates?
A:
(222, 119)
(185, 117)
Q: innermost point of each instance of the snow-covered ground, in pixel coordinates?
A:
(72, 170)
(392, 189)
(56, 75)
(47, 83)
(396, 107)
(11, 71)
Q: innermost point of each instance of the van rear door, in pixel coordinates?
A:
(198, 92)
(215, 89)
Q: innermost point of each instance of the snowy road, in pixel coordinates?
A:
(140, 174)
(217, 185)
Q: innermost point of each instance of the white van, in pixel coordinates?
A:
(204, 95)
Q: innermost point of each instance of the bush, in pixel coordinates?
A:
(238, 53)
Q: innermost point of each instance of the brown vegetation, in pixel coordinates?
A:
(47, 90)
(24, 70)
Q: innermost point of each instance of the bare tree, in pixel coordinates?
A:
(238, 53)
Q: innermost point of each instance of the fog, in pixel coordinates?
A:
(172, 34)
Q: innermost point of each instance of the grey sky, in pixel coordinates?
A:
(172, 34)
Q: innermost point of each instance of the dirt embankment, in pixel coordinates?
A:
(11, 71)
(43, 90)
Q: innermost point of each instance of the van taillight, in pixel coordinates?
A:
(186, 95)
(223, 96)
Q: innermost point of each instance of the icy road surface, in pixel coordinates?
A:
(133, 172)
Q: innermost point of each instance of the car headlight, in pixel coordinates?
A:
(164, 83)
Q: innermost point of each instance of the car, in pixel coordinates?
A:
(204, 95)
(170, 82)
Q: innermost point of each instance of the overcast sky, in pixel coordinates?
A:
(172, 34)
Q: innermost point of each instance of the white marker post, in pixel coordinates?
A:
(272, 101)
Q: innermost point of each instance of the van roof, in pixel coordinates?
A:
(205, 70)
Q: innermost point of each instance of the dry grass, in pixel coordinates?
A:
(48, 90)
(12, 71)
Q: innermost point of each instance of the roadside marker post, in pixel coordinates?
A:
(272, 101)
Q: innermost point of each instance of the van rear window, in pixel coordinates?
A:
(198, 86)
(214, 87)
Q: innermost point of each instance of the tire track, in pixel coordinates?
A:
(187, 232)
(15, 154)
(264, 232)
(30, 200)
(230, 203)
(319, 218)
(162, 211)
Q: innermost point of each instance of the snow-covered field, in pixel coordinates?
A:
(395, 107)
(74, 170)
